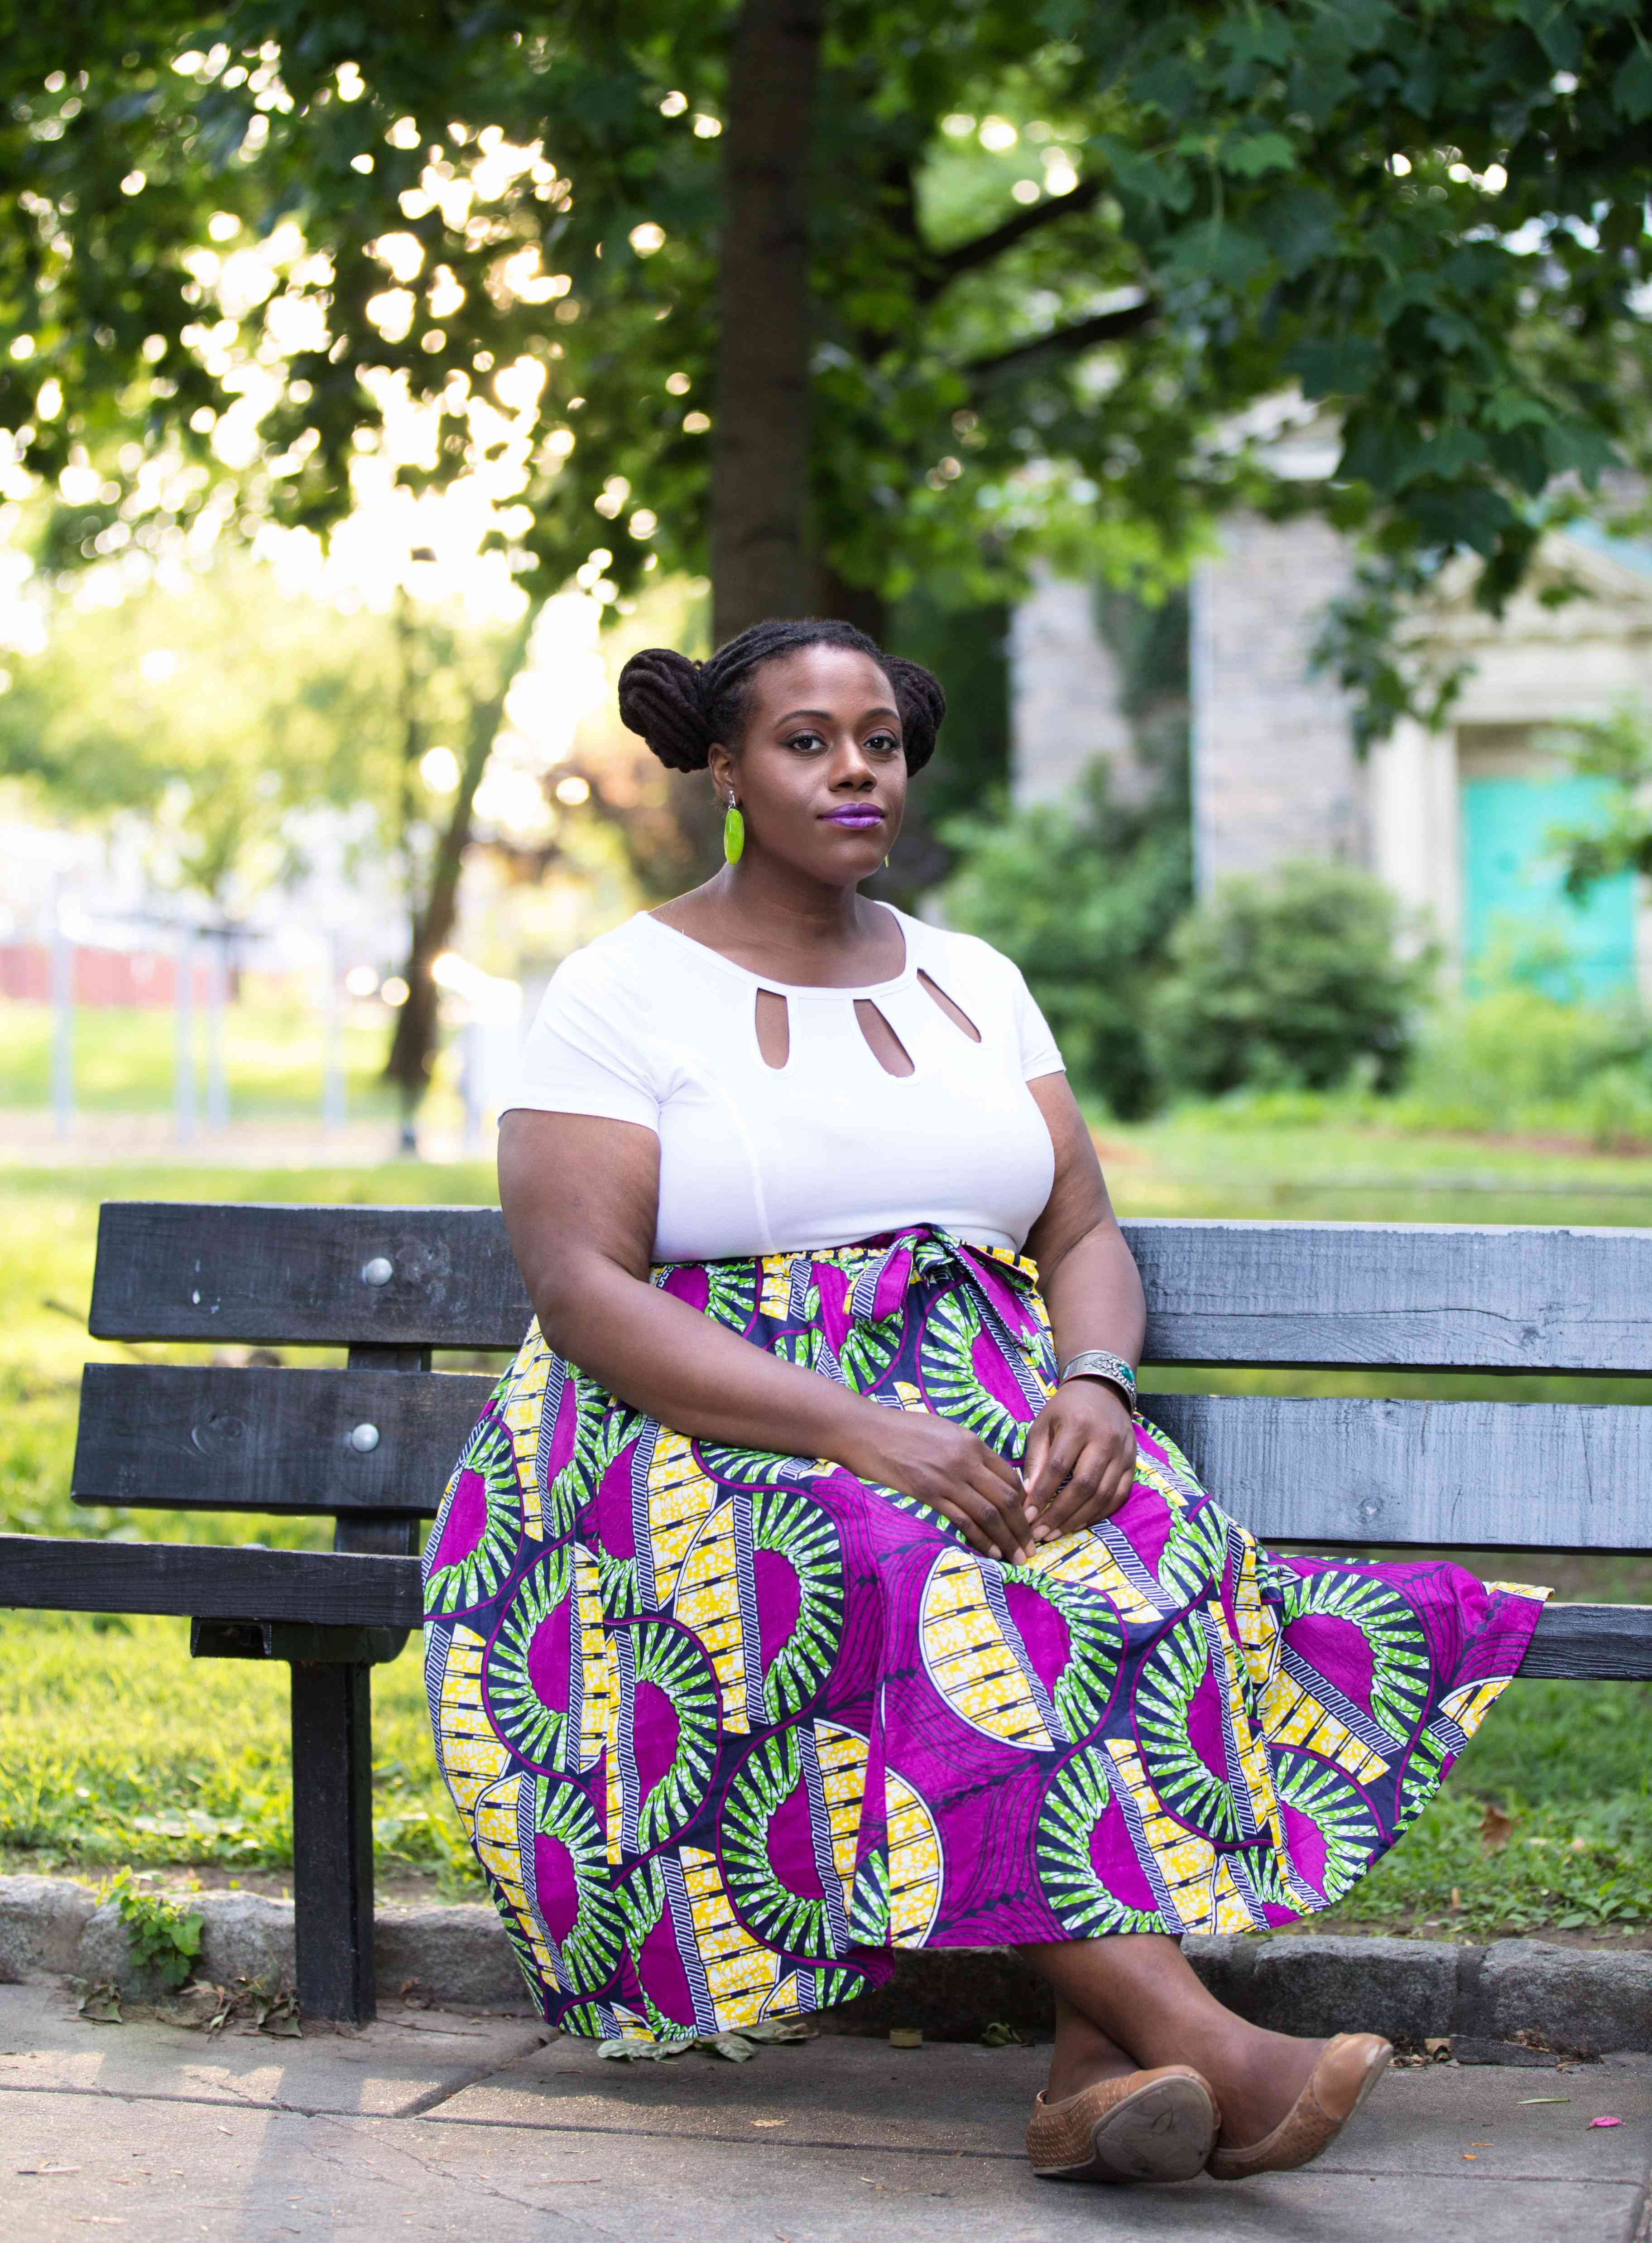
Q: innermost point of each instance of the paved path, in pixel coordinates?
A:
(432, 2125)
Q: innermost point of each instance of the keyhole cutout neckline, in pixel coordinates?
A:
(772, 1021)
(881, 1039)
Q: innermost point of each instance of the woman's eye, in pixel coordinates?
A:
(884, 743)
(806, 741)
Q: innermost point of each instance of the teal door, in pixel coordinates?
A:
(1517, 916)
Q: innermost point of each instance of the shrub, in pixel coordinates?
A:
(1517, 1046)
(1082, 894)
(1294, 981)
(1518, 1059)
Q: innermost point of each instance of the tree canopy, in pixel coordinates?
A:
(846, 298)
(221, 712)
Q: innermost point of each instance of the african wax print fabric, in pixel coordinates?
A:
(725, 1727)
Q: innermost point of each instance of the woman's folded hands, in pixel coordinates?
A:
(1079, 1465)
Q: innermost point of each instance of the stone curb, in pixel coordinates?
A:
(1517, 2001)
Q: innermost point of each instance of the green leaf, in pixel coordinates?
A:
(1549, 23)
(1509, 408)
(1575, 448)
(1334, 365)
(1146, 178)
(1257, 153)
(1299, 226)
(1213, 250)
(1632, 87)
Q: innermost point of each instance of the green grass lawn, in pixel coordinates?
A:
(115, 1748)
(124, 1056)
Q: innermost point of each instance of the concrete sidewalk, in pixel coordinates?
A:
(479, 2127)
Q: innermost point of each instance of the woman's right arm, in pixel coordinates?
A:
(580, 1197)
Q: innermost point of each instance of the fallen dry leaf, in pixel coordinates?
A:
(1496, 1828)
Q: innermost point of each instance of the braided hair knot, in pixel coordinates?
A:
(662, 697)
(680, 707)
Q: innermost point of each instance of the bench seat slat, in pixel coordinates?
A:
(1602, 1643)
(197, 1438)
(1605, 1642)
(203, 1582)
(1326, 1294)
(1340, 1471)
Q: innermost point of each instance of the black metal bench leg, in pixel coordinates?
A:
(333, 1840)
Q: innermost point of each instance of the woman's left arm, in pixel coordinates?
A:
(1080, 1460)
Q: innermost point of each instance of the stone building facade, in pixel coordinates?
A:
(1459, 822)
(1065, 691)
(1274, 773)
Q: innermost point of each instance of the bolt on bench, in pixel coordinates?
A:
(373, 1444)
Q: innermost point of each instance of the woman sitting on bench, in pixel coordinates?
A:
(810, 1588)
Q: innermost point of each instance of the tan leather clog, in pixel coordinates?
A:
(1145, 2126)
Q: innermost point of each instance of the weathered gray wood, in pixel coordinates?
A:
(295, 1638)
(397, 1536)
(208, 1583)
(1598, 1643)
(1446, 1475)
(1447, 1296)
(332, 1842)
(298, 1275)
(1348, 1471)
(199, 1438)
(1602, 1641)
(1426, 1297)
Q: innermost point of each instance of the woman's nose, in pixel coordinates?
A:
(850, 766)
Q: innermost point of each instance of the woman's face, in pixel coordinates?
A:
(821, 773)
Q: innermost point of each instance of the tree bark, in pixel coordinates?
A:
(855, 603)
(412, 1042)
(760, 561)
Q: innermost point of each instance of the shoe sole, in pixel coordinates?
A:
(1164, 2132)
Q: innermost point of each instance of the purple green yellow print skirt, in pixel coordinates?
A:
(725, 1726)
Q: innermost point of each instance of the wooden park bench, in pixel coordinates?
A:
(372, 1445)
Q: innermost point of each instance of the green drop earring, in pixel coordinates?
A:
(734, 833)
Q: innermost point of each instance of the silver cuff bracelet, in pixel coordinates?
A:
(1096, 1363)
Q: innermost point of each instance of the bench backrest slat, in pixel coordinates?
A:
(1452, 1475)
(1403, 1296)
(179, 1437)
(1483, 1475)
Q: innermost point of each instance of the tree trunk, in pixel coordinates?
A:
(761, 562)
(412, 1043)
(855, 603)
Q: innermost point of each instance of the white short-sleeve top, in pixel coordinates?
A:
(646, 1024)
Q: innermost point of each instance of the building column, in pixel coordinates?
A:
(1416, 833)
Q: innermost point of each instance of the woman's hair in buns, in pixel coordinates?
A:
(680, 707)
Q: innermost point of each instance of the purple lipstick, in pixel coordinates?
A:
(855, 817)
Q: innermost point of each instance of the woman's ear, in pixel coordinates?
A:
(720, 764)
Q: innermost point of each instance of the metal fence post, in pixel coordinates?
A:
(63, 1027)
(332, 1095)
(183, 1061)
(217, 1089)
